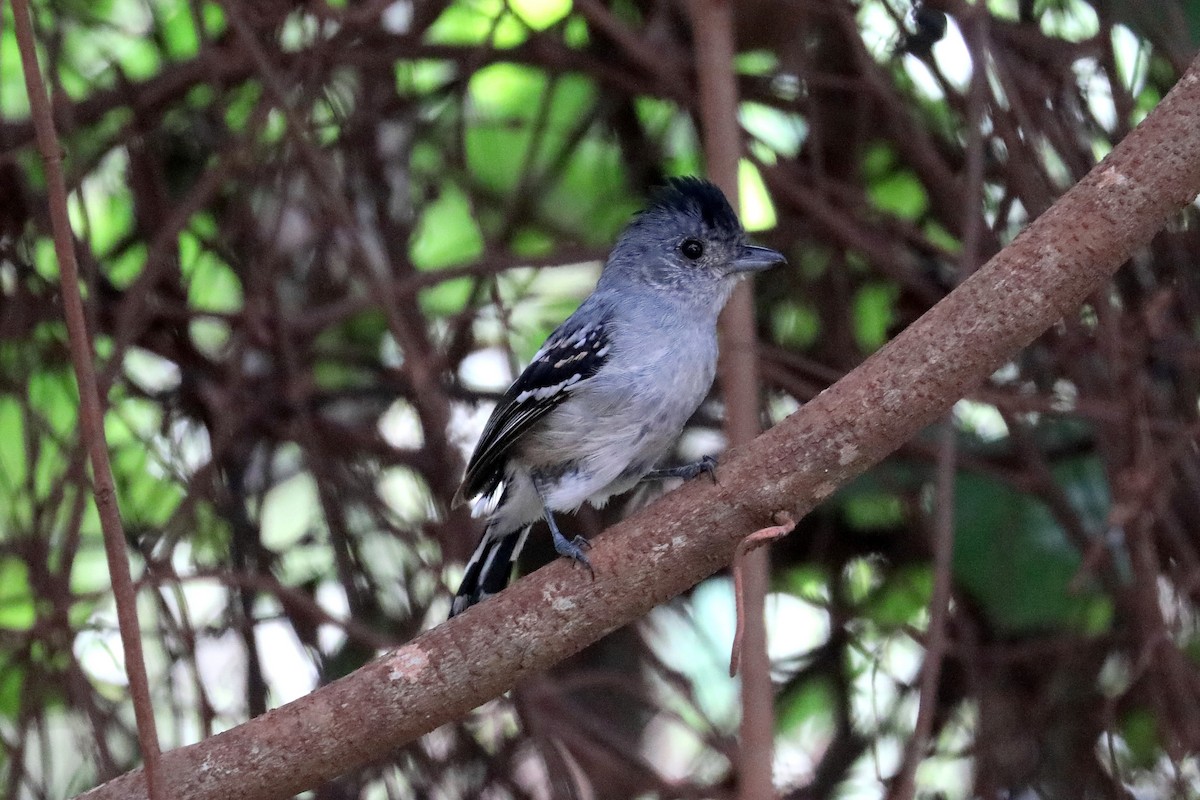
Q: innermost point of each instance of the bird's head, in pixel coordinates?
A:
(687, 242)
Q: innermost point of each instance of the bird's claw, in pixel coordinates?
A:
(707, 464)
(574, 549)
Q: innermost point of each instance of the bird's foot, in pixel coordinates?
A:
(574, 549)
(707, 465)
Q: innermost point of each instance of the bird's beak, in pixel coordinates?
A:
(753, 258)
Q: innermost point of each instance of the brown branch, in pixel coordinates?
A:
(904, 786)
(1047, 272)
(712, 27)
(758, 539)
(91, 410)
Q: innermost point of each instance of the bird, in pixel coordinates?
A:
(605, 398)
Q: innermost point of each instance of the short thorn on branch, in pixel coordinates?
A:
(748, 545)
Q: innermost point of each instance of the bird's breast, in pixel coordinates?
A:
(632, 411)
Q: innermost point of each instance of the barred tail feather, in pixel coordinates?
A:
(489, 569)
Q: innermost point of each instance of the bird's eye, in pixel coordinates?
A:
(691, 248)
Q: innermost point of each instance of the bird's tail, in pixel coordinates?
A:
(490, 567)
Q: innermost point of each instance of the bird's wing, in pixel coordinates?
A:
(574, 353)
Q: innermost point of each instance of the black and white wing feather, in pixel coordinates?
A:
(574, 353)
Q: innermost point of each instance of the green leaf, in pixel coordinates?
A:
(17, 611)
(904, 595)
(901, 194)
(446, 233)
(860, 578)
(103, 206)
(212, 284)
(873, 510)
(210, 336)
(812, 701)
(795, 325)
(14, 102)
(239, 104)
(1139, 729)
(756, 62)
(809, 582)
(878, 162)
(12, 686)
(874, 312)
(575, 33)
(12, 448)
(1015, 561)
(532, 243)
(782, 132)
(89, 567)
(540, 14)
(591, 197)
(175, 22)
(757, 210)
(941, 237)
(475, 22)
(422, 76)
(288, 512)
(507, 100)
(448, 297)
(214, 19)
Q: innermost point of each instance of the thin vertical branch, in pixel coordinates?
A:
(91, 412)
(975, 30)
(712, 28)
(904, 786)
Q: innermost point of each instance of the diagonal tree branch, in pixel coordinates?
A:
(1069, 252)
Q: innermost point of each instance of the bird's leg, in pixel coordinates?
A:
(571, 548)
(708, 465)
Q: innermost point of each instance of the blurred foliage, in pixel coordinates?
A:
(319, 238)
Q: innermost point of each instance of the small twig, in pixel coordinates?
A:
(904, 785)
(91, 412)
(748, 545)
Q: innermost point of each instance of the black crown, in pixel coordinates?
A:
(697, 197)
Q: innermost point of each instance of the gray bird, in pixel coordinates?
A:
(609, 392)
